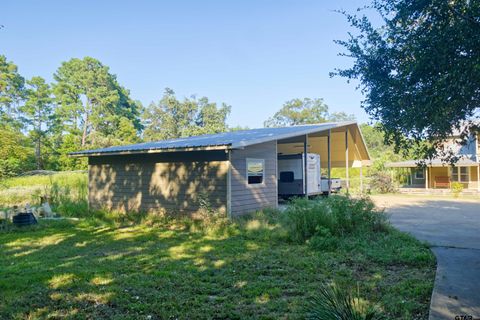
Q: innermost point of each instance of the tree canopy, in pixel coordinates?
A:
(420, 70)
(85, 107)
(91, 100)
(11, 92)
(16, 155)
(37, 113)
(171, 118)
(305, 111)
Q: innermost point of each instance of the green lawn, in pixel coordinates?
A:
(84, 269)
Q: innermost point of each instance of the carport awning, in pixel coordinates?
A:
(431, 163)
(226, 140)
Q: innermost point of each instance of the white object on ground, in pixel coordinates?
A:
(47, 210)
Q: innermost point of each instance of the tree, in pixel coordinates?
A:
(299, 111)
(11, 92)
(16, 154)
(69, 143)
(374, 139)
(37, 113)
(304, 111)
(341, 116)
(210, 118)
(238, 128)
(91, 101)
(420, 70)
(172, 118)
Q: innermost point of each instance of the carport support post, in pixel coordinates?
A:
(329, 163)
(361, 178)
(305, 163)
(347, 179)
(478, 177)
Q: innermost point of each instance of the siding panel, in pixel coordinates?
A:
(168, 183)
(246, 198)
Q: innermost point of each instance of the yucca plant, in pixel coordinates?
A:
(332, 303)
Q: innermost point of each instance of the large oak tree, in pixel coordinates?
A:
(419, 70)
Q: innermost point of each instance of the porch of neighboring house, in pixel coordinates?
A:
(438, 177)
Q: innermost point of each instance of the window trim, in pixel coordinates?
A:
(458, 174)
(467, 174)
(418, 171)
(253, 185)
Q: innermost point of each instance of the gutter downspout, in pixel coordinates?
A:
(347, 179)
(329, 163)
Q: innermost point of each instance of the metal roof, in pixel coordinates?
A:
(464, 162)
(233, 139)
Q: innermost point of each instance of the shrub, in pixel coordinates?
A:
(353, 214)
(303, 218)
(382, 182)
(456, 188)
(324, 240)
(334, 303)
(336, 215)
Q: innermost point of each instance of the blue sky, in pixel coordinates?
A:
(253, 55)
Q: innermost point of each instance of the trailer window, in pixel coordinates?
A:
(255, 171)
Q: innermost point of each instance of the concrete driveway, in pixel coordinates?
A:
(452, 227)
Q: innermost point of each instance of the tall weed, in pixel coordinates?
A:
(333, 216)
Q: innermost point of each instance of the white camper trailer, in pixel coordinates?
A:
(291, 176)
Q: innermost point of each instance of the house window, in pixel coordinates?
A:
(464, 177)
(454, 173)
(420, 174)
(255, 171)
(460, 174)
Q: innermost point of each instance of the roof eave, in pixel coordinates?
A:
(145, 151)
(430, 165)
(243, 144)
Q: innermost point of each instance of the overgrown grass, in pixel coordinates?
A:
(66, 190)
(333, 216)
(139, 266)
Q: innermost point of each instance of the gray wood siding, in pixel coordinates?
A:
(173, 183)
(246, 198)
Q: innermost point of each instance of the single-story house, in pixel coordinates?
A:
(232, 172)
(440, 175)
(437, 174)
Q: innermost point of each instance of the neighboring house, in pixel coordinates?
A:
(439, 175)
(231, 172)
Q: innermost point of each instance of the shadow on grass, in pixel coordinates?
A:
(70, 270)
(63, 270)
